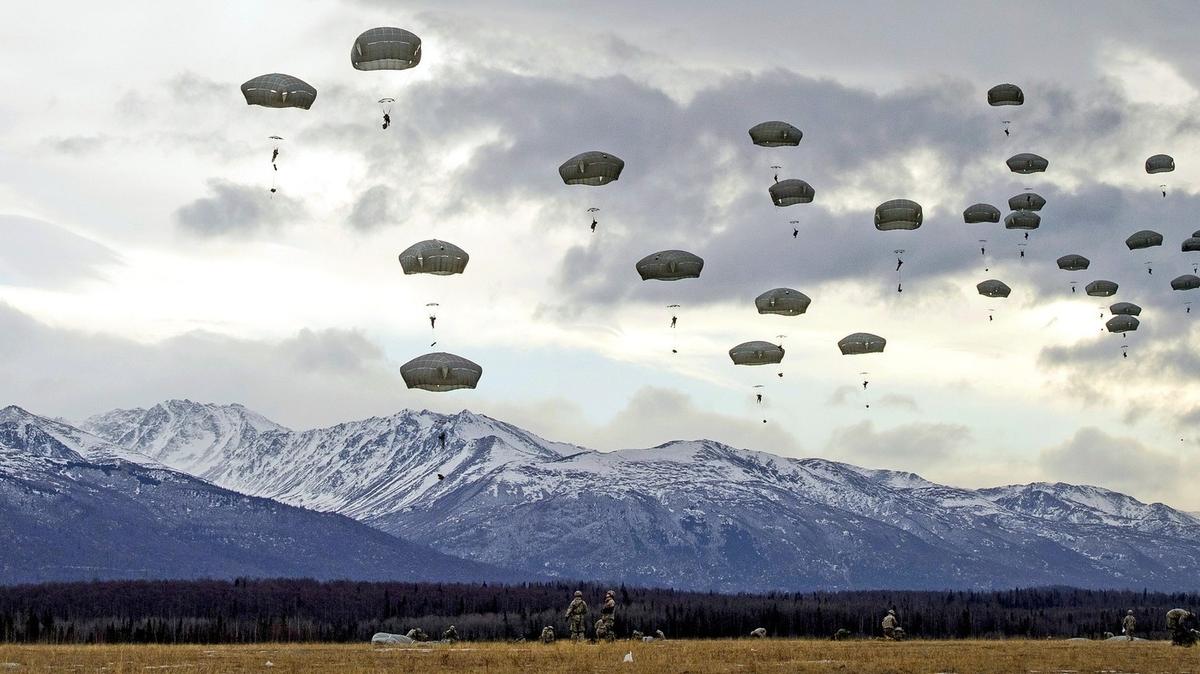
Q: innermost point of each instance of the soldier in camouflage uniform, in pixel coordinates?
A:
(450, 635)
(606, 627)
(1179, 623)
(1129, 624)
(576, 617)
(547, 635)
(889, 625)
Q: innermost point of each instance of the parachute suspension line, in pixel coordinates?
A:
(776, 168)
(274, 164)
(674, 311)
(758, 397)
(431, 308)
(781, 338)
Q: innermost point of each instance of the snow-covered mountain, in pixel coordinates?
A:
(686, 514)
(76, 507)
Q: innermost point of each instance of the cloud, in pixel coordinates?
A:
(914, 447)
(40, 254)
(1124, 464)
(374, 209)
(652, 416)
(237, 210)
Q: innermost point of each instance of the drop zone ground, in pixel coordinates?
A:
(700, 657)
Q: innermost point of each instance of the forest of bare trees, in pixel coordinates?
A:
(243, 611)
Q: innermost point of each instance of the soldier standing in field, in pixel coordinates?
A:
(577, 616)
(889, 625)
(606, 627)
(1129, 624)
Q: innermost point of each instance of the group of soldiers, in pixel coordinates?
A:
(1181, 623)
(576, 616)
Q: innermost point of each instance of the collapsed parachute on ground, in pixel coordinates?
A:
(1190, 244)
(277, 90)
(1005, 94)
(1185, 282)
(1144, 239)
(1073, 262)
(1027, 162)
(1101, 288)
(1160, 163)
(775, 134)
(385, 48)
(993, 288)
(434, 257)
(756, 353)
(1022, 220)
(860, 343)
(591, 168)
(1125, 309)
(670, 265)
(1122, 323)
(976, 213)
(782, 301)
(440, 372)
(791, 191)
(898, 214)
(1026, 201)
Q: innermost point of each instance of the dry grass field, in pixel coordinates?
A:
(701, 657)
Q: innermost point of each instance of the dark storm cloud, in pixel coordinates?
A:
(39, 254)
(237, 210)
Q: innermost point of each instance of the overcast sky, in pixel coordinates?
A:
(142, 258)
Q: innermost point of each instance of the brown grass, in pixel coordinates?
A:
(700, 657)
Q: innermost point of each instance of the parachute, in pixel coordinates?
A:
(993, 288)
(440, 372)
(1144, 239)
(1122, 323)
(861, 343)
(756, 353)
(670, 265)
(790, 192)
(1026, 201)
(775, 134)
(1101, 288)
(385, 48)
(1124, 309)
(1190, 244)
(1073, 262)
(898, 214)
(1160, 163)
(1027, 162)
(1185, 282)
(977, 213)
(434, 257)
(591, 168)
(1027, 220)
(276, 90)
(1005, 94)
(783, 302)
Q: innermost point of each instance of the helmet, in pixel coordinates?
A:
(1130, 611)
(610, 593)
(578, 593)
(891, 611)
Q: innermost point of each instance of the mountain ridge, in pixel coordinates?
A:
(692, 514)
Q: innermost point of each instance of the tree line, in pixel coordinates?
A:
(296, 610)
